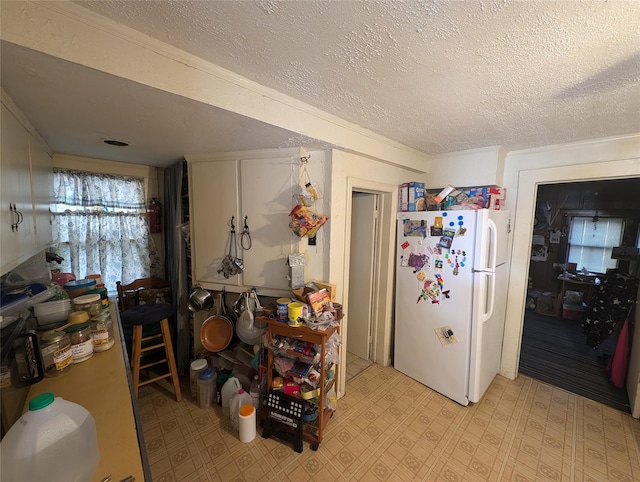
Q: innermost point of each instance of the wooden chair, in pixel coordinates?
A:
(143, 304)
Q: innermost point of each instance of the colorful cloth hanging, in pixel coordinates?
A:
(609, 306)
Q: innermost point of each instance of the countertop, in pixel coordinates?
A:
(102, 386)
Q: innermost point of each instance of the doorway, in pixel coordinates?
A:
(362, 285)
(554, 347)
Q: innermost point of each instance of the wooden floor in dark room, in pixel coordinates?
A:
(554, 351)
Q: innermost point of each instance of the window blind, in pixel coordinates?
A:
(590, 242)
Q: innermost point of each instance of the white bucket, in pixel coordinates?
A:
(55, 440)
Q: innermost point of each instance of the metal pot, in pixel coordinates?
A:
(199, 299)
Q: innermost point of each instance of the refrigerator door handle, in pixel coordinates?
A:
(493, 236)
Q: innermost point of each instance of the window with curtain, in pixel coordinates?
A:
(100, 226)
(591, 240)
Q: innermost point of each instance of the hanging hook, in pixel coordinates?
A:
(245, 236)
(304, 160)
(233, 227)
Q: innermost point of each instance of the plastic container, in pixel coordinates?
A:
(102, 331)
(282, 310)
(206, 387)
(247, 423)
(62, 278)
(55, 440)
(229, 389)
(241, 398)
(52, 311)
(81, 341)
(194, 370)
(294, 310)
(221, 379)
(79, 287)
(96, 277)
(90, 303)
(56, 353)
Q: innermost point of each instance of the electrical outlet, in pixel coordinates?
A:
(312, 241)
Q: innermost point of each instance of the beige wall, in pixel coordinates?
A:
(351, 172)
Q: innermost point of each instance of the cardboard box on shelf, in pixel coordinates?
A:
(411, 196)
(416, 197)
(328, 286)
(403, 196)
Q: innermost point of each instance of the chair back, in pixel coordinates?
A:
(143, 291)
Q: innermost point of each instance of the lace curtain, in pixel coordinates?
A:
(100, 226)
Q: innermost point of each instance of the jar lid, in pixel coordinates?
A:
(84, 299)
(76, 328)
(207, 374)
(51, 336)
(199, 364)
(40, 401)
(80, 283)
(78, 317)
(99, 289)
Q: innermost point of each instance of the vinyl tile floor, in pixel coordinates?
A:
(389, 427)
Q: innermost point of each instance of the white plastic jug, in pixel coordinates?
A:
(241, 398)
(229, 389)
(55, 440)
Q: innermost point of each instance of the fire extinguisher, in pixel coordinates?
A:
(154, 215)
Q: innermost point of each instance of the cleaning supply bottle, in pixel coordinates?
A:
(240, 399)
(229, 389)
(55, 440)
(254, 391)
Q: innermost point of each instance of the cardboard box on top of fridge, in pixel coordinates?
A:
(416, 196)
(403, 196)
(412, 196)
(488, 197)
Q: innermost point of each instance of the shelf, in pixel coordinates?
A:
(312, 431)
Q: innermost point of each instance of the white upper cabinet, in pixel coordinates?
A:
(25, 170)
(259, 185)
(41, 182)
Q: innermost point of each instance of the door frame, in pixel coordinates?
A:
(528, 181)
(383, 276)
(372, 286)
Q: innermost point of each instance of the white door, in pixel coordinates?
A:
(361, 269)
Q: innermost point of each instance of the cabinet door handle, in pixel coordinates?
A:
(15, 215)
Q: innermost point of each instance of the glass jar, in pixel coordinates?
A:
(102, 331)
(57, 356)
(91, 303)
(104, 295)
(81, 341)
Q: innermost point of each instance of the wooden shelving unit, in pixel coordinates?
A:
(312, 431)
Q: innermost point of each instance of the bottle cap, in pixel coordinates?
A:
(207, 374)
(40, 401)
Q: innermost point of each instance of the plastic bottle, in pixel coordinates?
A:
(240, 399)
(55, 440)
(229, 389)
(206, 387)
(194, 370)
(255, 392)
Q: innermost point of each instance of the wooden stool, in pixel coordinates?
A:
(147, 315)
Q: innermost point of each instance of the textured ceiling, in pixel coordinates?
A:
(435, 76)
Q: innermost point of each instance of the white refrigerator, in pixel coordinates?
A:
(451, 290)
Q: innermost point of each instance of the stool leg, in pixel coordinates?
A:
(166, 334)
(135, 356)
